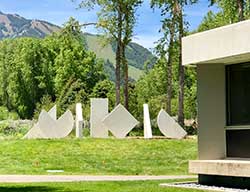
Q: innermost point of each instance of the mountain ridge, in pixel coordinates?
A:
(14, 25)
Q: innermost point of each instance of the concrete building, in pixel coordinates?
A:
(222, 59)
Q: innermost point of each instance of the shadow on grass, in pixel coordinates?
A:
(28, 189)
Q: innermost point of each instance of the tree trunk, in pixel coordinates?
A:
(125, 71)
(240, 5)
(181, 69)
(169, 69)
(118, 59)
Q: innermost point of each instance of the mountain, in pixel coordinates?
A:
(13, 25)
(136, 55)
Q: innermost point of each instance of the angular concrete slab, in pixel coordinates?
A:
(79, 120)
(169, 127)
(47, 125)
(34, 132)
(98, 111)
(119, 122)
(53, 112)
(65, 124)
(48, 128)
(147, 123)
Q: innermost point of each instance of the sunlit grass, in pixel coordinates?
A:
(97, 156)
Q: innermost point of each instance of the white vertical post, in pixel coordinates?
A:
(147, 123)
(79, 120)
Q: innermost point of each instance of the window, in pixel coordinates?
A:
(238, 94)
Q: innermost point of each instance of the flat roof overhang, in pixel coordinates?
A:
(224, 45)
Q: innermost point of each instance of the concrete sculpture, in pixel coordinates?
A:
(99, 110)
(53, 112)
(169, 127)
(79, 120)
(147, 123)
(119, 122)
(48, 127)
(35, 132)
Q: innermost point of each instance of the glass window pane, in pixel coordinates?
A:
(238, 94)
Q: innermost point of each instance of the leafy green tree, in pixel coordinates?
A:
(129, 10)
(29, 77)
(173, 25)
(234, 10)
(58, 66)
(105, 89)
(212, 20)
(151, 89)
(117, 19)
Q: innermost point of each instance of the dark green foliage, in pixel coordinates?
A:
(25, 76)
(58, 66)
(151, 89)
(105, 89)
(45, 103)
(5, 114)
(109, 70)
(212, 20)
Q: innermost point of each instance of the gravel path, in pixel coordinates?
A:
(76, 178)
(203, 187)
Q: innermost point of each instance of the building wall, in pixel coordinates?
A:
(211, 111)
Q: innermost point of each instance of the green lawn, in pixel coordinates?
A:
(97, 156)
(129, 186)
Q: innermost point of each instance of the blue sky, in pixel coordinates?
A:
(58, 12)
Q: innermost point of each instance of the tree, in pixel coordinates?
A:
(165, 48)
(58, 67)
(173, 11)
(129, 10)
(117, 19)
(234, 10)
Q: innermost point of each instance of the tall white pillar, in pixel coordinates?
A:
(79, 120)
(147, 123)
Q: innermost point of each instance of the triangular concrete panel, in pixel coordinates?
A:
(53, 112)
(47, 127)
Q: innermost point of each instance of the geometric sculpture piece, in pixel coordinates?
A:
(79, 120)
(119, 122)
(48, 127)
(169, 127)
(99, 110)
(33, 133)
(147, 123)
(52, 112)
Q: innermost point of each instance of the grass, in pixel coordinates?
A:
(128, 186)
(97, 156)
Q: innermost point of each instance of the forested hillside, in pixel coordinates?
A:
(13, 26)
